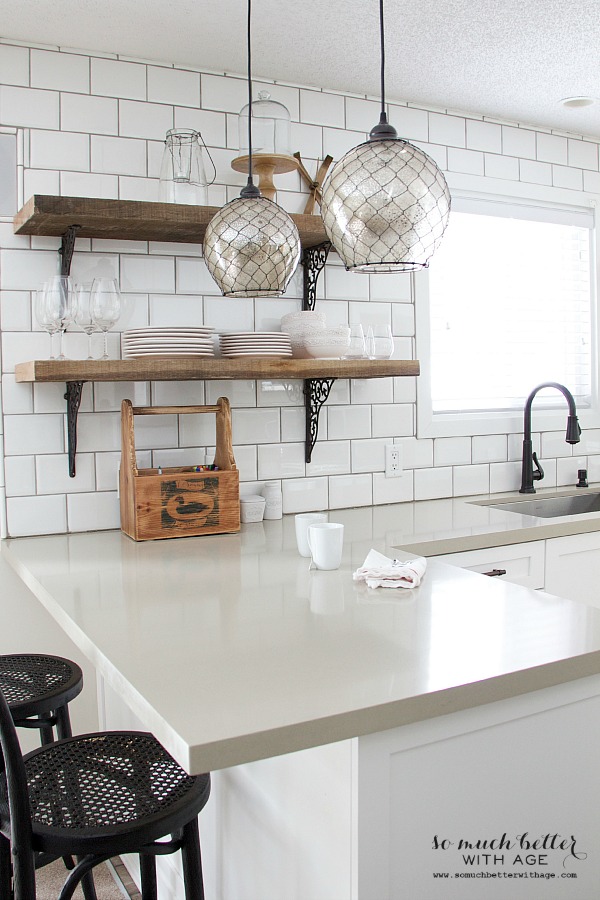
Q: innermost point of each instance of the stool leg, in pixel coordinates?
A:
(192, 862)
(5, 867)
(63, 722)
(148, 873)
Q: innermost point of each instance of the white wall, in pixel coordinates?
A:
(94, 126)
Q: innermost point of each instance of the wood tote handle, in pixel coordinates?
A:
(128, 460)
(224, 457)
(173, 410)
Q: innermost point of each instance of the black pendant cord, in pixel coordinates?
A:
(250, 190)
(382, 129)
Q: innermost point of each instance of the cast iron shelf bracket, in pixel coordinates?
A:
(73, 398)
(67, 246)
(74, 388)
(316, 390)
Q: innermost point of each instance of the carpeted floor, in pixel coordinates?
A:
(50, 880)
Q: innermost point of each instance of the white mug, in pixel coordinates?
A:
(326, 540)
(303, 520)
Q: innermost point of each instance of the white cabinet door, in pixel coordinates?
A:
(524, 563)
(573, 567)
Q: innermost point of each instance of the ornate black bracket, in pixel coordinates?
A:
(316, 392)
(313, 261)
(73, 398)
(67, 246)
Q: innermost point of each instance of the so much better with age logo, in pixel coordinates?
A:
(540, 857)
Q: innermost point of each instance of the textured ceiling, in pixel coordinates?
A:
(513, 60)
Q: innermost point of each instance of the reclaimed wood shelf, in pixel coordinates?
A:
(209, 368)
(133, 220)
(318, 375)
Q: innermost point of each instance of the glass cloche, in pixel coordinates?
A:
(270, 126)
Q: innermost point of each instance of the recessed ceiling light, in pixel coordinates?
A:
(576, 102)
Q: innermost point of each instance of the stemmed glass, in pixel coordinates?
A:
(84, 316)
(106, 306)
(44, 317)
(60, 305)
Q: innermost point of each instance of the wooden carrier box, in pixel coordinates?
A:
(178, 501)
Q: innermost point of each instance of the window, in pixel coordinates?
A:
(509, 301)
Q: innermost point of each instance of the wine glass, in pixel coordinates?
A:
(60, 305)
(84, 316)
(380, 343)
(356, 347)
(44, 318)
(106, 306)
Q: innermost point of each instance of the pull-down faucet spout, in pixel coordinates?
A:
(529, 474)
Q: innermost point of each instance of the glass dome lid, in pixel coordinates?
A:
(270, 126)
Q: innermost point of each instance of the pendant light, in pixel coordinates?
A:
(385, 203)
(252, 245)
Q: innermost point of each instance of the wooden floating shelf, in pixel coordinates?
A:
(47, 370)
(133, 220)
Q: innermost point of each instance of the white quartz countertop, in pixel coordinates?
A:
(229, 649)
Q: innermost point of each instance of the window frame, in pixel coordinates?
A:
(430, 425)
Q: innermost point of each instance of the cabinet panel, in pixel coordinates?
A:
(573, 567)
(524, 563)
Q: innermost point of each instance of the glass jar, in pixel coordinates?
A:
(271, 132)
(182, 174)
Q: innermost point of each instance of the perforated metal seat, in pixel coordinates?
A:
(38, 689)
(96, 796)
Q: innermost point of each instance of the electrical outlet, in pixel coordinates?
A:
(393, 460)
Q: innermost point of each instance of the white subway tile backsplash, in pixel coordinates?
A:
(591, 182)
(138, 189)
(361, 115)
(229, 314)
(506, 167)
(452, 451)
(194, 278)
(52, 471)
(179, 393)
(279, 393)
(551, 148)
(16, 398)
(505, 477)
(535, 172)
(14, 65)
(118, 156)
(60, 150)
(416, 454)
(93, 512)
(582, 154)
(50, 398)
(147, 273)
(346, 491)
(337, 142)
(329, 458)
(255, 426)
(83, 184)
(19, 472)
(114, 78)
(518, 142)
(40, 181)
(393, 490)
(433, 483)
(391, 286)
(347, 422)
(29, 108)
(403, 319)
(109, 394)
(486, 448)
(471, 480)
(308, 141)
(281, 461)
(467, 161)
(99, 431)
(554, 444)
(211, 126)
(372, 390)
(60, 71)
(392, 420)
(563, 176)
(484, 136)
(144, 120)
(183, 310)
(36, 515)
(15, 310)
(19, 346)
(293, 425)
(450, 130)
(368, 456)
(410, 123)
(88, 113)
(175, 86)
(566, 470)
(305, 495)
(320, 108)
(31, 434)
(343, 285)
(225, 94)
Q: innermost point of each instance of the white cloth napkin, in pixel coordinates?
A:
(380, 571)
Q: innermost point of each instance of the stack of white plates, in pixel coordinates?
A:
(255, 343)
(167, 342)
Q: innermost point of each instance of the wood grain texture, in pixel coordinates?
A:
(133, 220)
(178, 501)
(210, 368)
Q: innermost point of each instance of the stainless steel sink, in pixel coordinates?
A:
(553, 507)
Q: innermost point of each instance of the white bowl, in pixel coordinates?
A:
(303, 317)
(329, 344)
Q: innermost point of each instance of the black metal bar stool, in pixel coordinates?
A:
(38, 689)
(95, 796)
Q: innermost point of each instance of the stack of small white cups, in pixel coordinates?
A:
(301, 326)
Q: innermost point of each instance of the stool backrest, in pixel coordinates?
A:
(11, 761)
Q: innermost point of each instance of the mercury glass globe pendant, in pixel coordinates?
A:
(385, 203)
(251, 245)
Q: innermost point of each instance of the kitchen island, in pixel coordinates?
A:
(349, 730)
